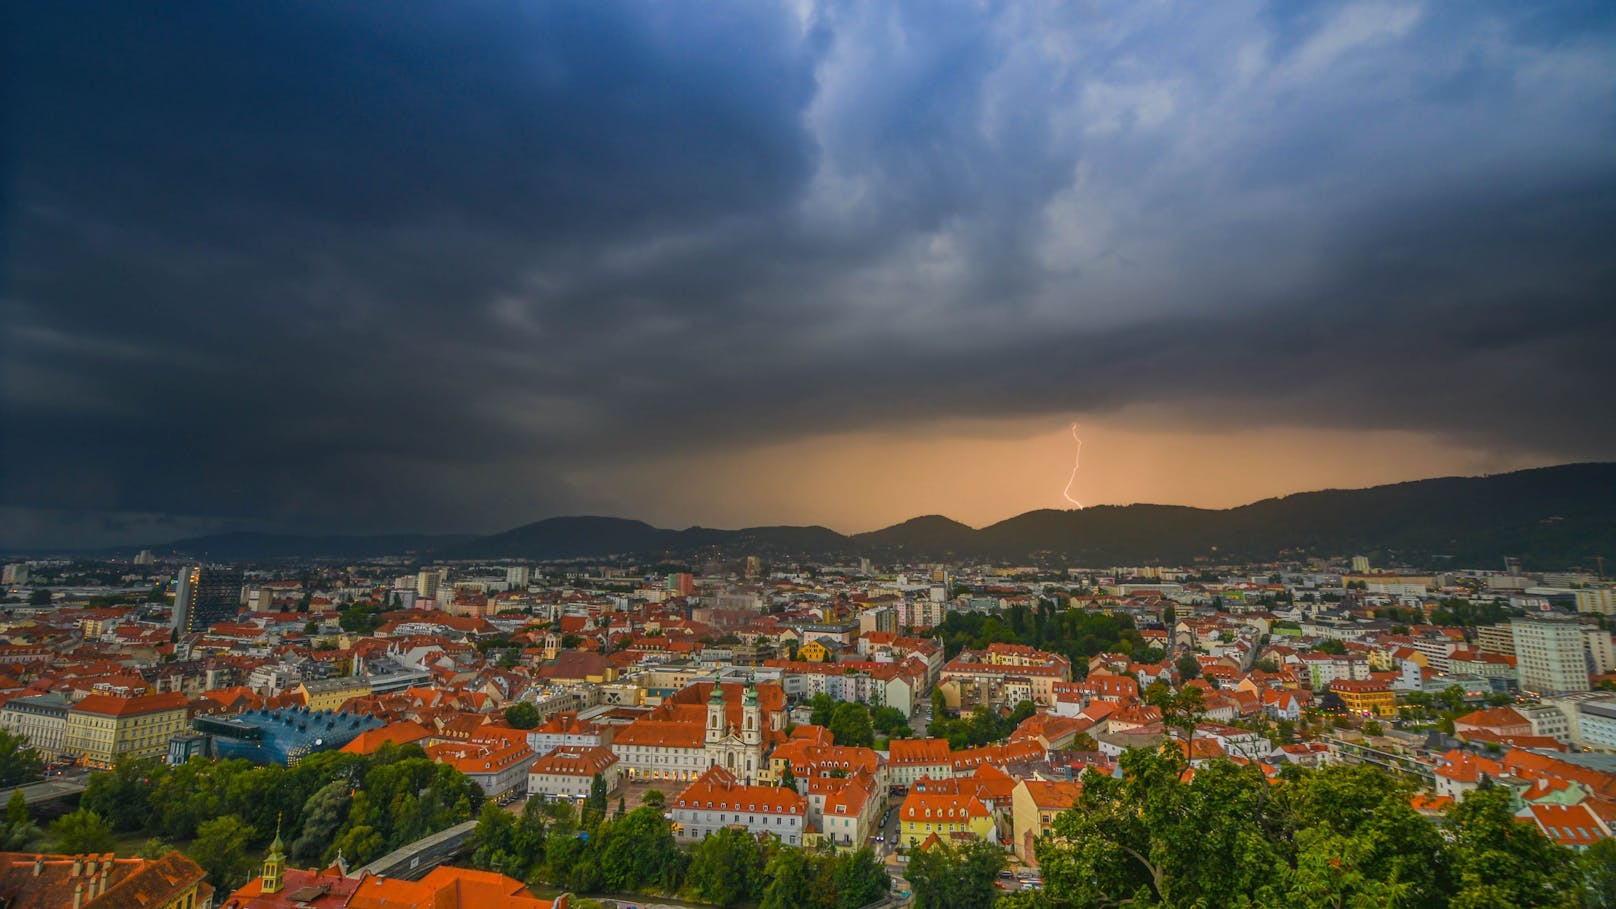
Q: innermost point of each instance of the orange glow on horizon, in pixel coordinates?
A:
(980, 473)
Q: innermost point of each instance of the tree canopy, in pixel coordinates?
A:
(1338, 836)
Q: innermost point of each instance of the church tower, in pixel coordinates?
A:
(715, 716)
(752, 732)
(274, 864)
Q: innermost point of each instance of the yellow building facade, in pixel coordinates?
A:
(102, 728)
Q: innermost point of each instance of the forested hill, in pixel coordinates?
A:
(1552, 517)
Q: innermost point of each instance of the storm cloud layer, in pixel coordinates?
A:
(374, 266)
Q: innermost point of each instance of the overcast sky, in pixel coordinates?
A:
(458, 266)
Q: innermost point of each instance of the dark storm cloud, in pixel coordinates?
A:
(352, 266)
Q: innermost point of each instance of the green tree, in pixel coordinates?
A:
(19, 762)
(523, 715)
(493, 841)
(1154, 837)
(1330, 645)
(726, 868)
(850, 725)
(19, 829)
(820, 708)
(655, 799)
(1499, 861)
(886, 719)
(858, 879)
(1188, 666)
(638, 852)
(795, 881)
(955, 877)
(788, 777)
(1180, 709)
(323, 814)
(359, 845)
(39, 597)
(221, 849)
(596, 802)
(123, 794)
(1598, 869)
(81, 831)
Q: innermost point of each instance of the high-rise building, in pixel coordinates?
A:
(1360, 564)
(16, 573)
(518, 576)
(205, 596)
(145, 557)
(426, 584)
(1550, 655)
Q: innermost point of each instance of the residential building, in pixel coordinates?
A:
(30, 880)
(331, 694)
(498, 765)
(1366, 697)
(1597, 600)
(1596, 723)
(102, 728)
(911, 759)
(1034, 807)
(41, 719)
(569, 771)
(947, 809)
(1550, 655)
(719, 799)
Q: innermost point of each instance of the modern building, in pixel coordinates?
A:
(1597, 600)
(1550, 655)
(41, 719)
(205, 596)
(426, 584)
(1597, 724)
(517, 577)
(282, 736)
(102, 728)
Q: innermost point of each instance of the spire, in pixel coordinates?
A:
(274, 863)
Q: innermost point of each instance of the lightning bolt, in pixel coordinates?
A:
(1077, 461)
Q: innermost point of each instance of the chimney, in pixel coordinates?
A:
(78, 895)
(78, 865)
(39, 865)
(106, 872)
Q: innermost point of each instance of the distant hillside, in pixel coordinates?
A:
(1553, 517)
(229, 547)
(1550, 517)
(572, 538)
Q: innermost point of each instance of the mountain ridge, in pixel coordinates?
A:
(1558, 516)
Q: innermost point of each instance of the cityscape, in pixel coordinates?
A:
(806, 454)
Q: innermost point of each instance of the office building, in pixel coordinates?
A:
(1550, 655)
(206, 595)
(426, 585)
(101, 728)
